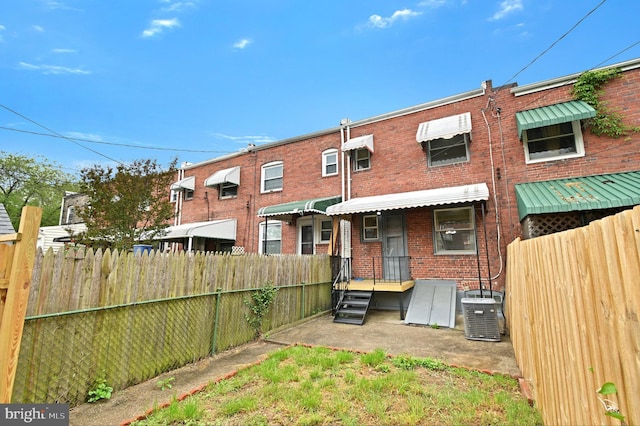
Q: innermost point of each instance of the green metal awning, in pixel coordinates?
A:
(578, 194)
(553, 114)
(315, 205)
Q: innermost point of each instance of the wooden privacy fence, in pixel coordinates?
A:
(16, 266)
(573, 301)
(128, 318)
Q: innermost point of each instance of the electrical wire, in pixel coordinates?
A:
(58, 134)
(555, 42)
(113, 143)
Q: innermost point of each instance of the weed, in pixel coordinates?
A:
(101, 390)
(165, 384)
(259, 305)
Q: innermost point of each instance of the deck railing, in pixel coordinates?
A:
(390, 269)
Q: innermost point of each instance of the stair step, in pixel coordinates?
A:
(355, 302)
(347, 311)
(349, 320)
(356, 293)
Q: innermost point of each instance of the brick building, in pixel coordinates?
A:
(431, 192)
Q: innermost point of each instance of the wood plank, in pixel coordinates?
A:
(17, 296)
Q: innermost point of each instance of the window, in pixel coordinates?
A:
(326, 228)
(361, 159)
(448, 151)
(71, 214)
(563, 140)
(273, 238)
(174, 196)
(370, 227)
(228, 190)
(188, 194)
(330, 162)
(454, 231)
(271, 177)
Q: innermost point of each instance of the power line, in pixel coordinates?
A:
(58, 134)
(555, 42)
(619, 53)
(112, 143)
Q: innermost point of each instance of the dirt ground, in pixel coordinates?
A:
(382, 330)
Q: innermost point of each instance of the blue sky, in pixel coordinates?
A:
(137, 79)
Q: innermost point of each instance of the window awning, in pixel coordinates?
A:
(578, 194)
(407, 200)
(186, 183)
(224, 229)
(553, 114)
(444, 128)
(316, 205)
(231, 175)
(365, 141)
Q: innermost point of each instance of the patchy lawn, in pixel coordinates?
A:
(320, 386)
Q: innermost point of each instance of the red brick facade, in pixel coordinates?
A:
(400, 164)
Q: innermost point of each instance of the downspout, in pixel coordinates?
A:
(486, 249)
(348, 165)
(342, 158)
(478, 253)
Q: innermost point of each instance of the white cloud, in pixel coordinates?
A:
(2, 27)
(159, 25)
(507, 7)
(37, 28)
(432, 3)
(178, 6)
(242, 43)
(380, 22)
(85, 136)
(245, 139)
(63, 51)
(52, 69)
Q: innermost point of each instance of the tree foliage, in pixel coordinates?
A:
(126, 205)
(34, 182)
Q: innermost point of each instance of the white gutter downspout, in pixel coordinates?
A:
(342, 157)
(348, 164)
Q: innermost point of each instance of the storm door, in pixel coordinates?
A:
(395, 263)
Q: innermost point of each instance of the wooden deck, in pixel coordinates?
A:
(390, 286)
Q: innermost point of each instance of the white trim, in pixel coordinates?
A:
(326, 153)
(577, 138)
(263, 169)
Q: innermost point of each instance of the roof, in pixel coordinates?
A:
(578, 194)
(406, 200)
(314, 205)
(231, 175)
(553, 114)
(224, 229)
(444, 128)
(6, 227)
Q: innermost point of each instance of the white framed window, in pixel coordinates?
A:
(361, 159)
(370, 228)
(326, 229)
(188, 194)
(271, 179)
(228, 190)
(555, 142)
(71, 214)
(448, 151)
(454, 231)
(271, 242)
(330, 162)
(174, 196)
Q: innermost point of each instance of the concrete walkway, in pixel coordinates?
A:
(382, 330)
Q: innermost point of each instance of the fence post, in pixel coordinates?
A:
(15, 308)
(215, 322)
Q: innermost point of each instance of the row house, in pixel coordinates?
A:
(431, 193)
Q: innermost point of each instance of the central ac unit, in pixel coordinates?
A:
(480, 319)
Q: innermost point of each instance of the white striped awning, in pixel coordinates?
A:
(365, 141)
(407, 200)
(186, 183)
(444, 128)
(231, 175)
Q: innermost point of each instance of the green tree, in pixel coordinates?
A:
(126, 205)
(34, 182)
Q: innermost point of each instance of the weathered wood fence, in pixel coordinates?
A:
(125, 318)
(573, 302)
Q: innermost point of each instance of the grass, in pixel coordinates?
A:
(299, 385)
